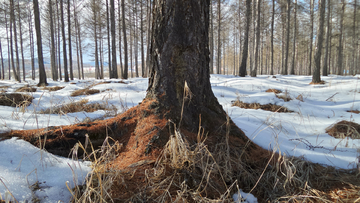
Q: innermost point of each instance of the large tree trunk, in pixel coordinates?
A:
(320, 39)
(242, 69)
(42, 74)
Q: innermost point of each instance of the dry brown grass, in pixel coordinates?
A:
(26, 88)
(274, 90)
(354, 111)
(85, 91)
(284, 97)
(319, 83)
(266, 107)
(344, 129)
(15, 99)
(51, 89)
(79, 106)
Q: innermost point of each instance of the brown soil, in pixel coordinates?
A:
(344, 129)
(15, 99)
(266, 107)
(274, 90)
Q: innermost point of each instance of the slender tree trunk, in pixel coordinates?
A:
(136, 40)
(287, 38)
(125, 76)
(352, 68)
(52, 48)
(114, 73)
(21, 43)
(218, 65)
(311, 34)
(327, 42)
(142, 39)
(101, 52)
(2, 75)
(120, 46)
(320, 37)
(108, 39)
(257, 40)
(8, 45)
(148, 54)
(292, 70)
(58, 39)
(69, 38)
(66, 74)
(11, 40)
(131, 40)
(272, 38)
(42, 73)
(17, 77)
(340, 55)
(242, 68)
(211, 39)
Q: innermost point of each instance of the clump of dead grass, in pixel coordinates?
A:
(344, 129)
(354, 111)
(85, 91)
(79, 106)
(318, 83)
(51, 89)
(26, 88)
(274, 90)
(15, 99)
(266, 107)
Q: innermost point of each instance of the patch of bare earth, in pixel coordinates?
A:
(85, 91)
(140, 156)
(344, 129)
(51, 89)
(15, 99)
(266, 107)
(274, 91)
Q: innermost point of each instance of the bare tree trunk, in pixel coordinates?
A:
(42, 74)
(211, 34)
(136, 40)
(69, 38)
(114, 73)
(292, 70)
(125, 76)
(287, 38)
(218, 61)
(120, 46)
(272, 38)
(52, 48)
(327, 42)
(108, 38)
(257, 40)
(340, 55)
(148, 54)
(21, 43)
(8, 45)
(311, 34)
(58, 39)
(66, 74)
(12, 13)
(2, 75)
(352, 68)
(242, 68)
(320, 37)
(142, 39)
(78, 44)
(11, 40)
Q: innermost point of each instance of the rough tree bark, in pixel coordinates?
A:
(42, 74)
(242, 69)
(113, 73)
(126, 67)
(320, 38)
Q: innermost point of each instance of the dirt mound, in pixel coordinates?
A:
(15, 99)
(266, 107)
(344, 129)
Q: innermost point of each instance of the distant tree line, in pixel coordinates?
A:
(247, 37)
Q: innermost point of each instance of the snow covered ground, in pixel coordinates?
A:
(301, 133)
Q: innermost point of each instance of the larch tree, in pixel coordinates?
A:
(69, 39)
(42, 73)
(114, 73)
(327, 41)
(288, 17)
(340, 47)
(311, 36)
(242, 68)
(66, 73)
(126, 66)
(320, 38)
(293, 64)
(54, 71)
(257, 40)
